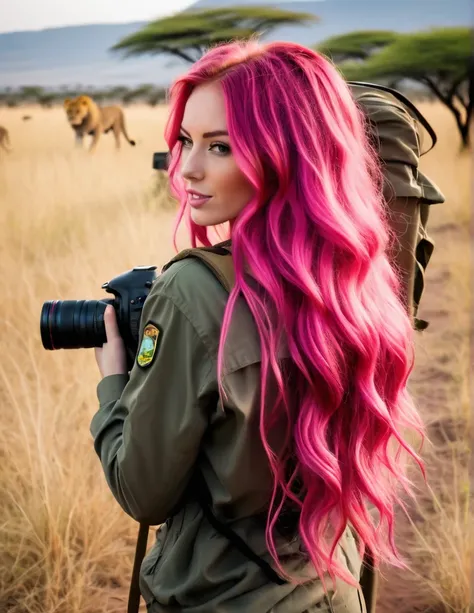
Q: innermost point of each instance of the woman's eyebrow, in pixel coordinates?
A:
(208, 134)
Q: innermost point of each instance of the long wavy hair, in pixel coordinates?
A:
(314, 240)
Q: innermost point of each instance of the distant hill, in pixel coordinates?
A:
(79, 55)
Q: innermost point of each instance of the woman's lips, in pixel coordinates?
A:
(196, 201)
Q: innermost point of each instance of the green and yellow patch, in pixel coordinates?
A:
(149, 345)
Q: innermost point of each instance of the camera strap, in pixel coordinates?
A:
(140, 551)
(203, 496)
(218, 259)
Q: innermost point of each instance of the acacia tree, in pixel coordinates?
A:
(440, 59)
(189, 34)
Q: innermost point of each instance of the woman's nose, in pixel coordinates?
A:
(192, 168)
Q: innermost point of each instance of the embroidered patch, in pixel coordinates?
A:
(149, 344)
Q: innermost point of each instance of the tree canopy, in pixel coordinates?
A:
(439, 59)
(187, 35)
(356, 45)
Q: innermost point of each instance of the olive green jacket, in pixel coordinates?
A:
(154, 428)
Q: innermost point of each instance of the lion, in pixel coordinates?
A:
(5, 139)
(86, 117)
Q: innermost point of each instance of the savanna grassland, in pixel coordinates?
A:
(69, 222)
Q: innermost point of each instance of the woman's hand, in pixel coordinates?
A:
(111, 357)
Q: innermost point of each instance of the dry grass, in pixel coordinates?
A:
(438, 540)
(70, 222)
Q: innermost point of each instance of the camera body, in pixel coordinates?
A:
(161, 160)
(75, 324)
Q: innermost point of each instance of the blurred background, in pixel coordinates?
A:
(70, 221)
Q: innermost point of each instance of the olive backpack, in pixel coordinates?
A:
(424, 134)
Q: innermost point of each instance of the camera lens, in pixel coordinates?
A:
(73, 324)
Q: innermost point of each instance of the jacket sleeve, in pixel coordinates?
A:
(148, 429)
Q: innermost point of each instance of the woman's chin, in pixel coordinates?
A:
(201, 218)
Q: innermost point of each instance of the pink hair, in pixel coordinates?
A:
(315, 238)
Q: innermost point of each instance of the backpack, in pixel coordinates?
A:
(418, 132)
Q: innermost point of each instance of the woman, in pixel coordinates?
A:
(284, 402)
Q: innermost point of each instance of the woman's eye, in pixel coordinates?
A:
(220, 148)
(224, 149)
(186, 141)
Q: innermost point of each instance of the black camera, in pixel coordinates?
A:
(161, 160)
(76, 324)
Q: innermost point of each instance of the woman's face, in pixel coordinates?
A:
(217, 189)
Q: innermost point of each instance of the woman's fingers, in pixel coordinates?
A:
(111, 325)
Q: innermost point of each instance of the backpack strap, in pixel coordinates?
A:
(218, 259)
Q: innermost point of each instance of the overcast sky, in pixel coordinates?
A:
(18, 15)
(38, 14)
